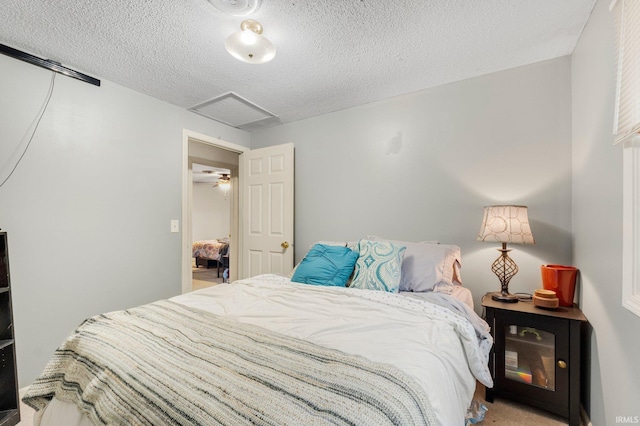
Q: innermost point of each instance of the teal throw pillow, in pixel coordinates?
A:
(378, 266)
(326, 265)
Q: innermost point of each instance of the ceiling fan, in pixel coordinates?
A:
(224, 181)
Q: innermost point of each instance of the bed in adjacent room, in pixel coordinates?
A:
(276, 350)
(211, 253)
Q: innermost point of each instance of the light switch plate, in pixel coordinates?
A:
(175, 225)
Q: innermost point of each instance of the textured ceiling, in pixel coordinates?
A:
(331, 54)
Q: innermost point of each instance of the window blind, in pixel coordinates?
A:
(627, 114)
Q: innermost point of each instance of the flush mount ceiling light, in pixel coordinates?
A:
(237, 7)
(249, 45)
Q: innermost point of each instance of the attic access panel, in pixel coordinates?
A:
(234, 110)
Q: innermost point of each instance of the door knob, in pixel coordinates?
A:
(284, 245)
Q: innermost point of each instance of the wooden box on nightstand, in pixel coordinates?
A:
(536, 355)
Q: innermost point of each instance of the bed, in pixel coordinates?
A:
(211, 253)
(277, 350)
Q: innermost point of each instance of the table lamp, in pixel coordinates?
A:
(505, 224)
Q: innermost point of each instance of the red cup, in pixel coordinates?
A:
(562, 280)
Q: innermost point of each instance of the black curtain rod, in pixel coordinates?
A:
(48, 64)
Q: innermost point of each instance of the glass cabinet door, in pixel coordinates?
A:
(529, 356)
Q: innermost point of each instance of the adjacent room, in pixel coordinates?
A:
(211, 224)
(320, 204)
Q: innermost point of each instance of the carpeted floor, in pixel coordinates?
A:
(203, 277)
(504, 412)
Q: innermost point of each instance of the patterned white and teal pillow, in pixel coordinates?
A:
(379, 266)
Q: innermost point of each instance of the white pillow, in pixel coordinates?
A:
(429, 267)
(353, 245)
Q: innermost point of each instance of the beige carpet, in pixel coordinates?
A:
(203, 277)
(26, 412)
(504, 412)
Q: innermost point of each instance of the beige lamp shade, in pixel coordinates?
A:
(506, 224)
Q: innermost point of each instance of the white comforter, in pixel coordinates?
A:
(437, 346)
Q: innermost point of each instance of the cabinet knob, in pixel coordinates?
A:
(562, 364)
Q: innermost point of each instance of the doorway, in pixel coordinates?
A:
(210, 221)
(214, 153)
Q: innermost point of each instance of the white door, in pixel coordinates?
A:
(267, 210)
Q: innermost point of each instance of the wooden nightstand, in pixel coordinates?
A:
(536, 355)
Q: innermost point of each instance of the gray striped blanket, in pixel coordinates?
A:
(167, 364)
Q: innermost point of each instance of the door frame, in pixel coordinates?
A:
(187, 196)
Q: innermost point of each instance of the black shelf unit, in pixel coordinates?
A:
(9, 400)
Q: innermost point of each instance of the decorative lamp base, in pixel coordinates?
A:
(505, 298)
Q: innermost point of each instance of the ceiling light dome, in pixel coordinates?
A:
(237, 7)
(249, 45)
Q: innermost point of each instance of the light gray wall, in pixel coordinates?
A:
(210, 212)
(422, 166)
(88, 210)
(597, 225)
